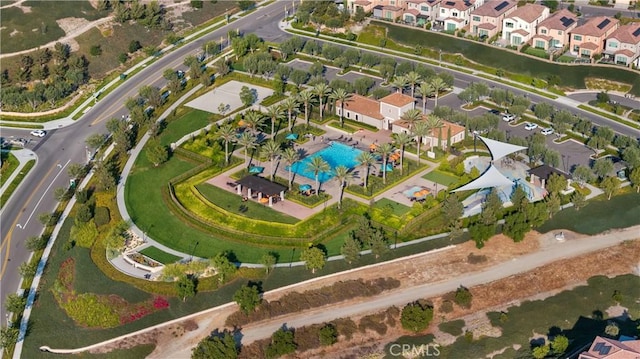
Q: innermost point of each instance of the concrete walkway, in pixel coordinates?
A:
(23, 156)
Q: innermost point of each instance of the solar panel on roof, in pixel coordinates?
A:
(501, 6)
(604, 23)
(605, 349)
(637, 32)
(566, 21)
(598, 346)
(450, 3)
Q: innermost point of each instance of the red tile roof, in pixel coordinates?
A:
(625, 34)
(397, 99)
(595, 27)
(457, 4)
(561, 20)
(520, 32)
(487, 26)
(529, 12)
(589, 46)
(489, 8)
(626, 52)
(363, 105)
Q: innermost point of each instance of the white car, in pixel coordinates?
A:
(38, 133)
(508, 117)
(547, 131)
(530, 126)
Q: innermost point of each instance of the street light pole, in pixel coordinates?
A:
(440, 57)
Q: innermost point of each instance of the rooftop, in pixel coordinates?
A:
(262, 185)
(397, 99)
(561, 20)
(545, 171)
(629, 34)
(529, 12)
(605, 348)
(494, 8)
(596, 26)
(461, 5)
(363, 105)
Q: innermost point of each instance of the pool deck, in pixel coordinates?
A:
(363, 140)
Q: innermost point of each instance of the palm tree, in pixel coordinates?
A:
(290, 104)
(318, 165)
(412, 116)
(248, 141)
(384, 150)
(290, 156)
(254, 120)
(366, 159)
(340, 95)
(433, 122)
(401, 140)
(306, 98)
(412, 79)
(438, 85)
(399, 82)
(271, 150)
(425, 90)
(420, 130)
(321, 90)
(274, 113)
(227, 134)
(342, 175)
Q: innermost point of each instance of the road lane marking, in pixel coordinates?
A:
(45, 192)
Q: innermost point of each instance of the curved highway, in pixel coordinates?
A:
(64, 146)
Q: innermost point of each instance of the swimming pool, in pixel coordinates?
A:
(336, 154)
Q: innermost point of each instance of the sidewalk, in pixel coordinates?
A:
(23, 156)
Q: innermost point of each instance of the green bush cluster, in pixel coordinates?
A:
(101, 216)
(89, 310)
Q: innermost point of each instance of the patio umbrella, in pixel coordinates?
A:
(256, 169)
(373, 146)
(305, 187)
(292, 136)
(241, 123)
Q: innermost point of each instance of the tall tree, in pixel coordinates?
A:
(412, 78)
(433, 123)
(420, 130)
(314, 258)
(411, 117)
(366, 159)
(318, 165)
(306, 98)
(384, 150)
(342, 174)
(340, 95)
(609, 186)
(351, 249)
(254, 120)
(248, 298)
(268, 260)
(290, 104)
(227, 134)
(223, 266)
(399, 83)
(438, 85)
(271, 150)
(221, 346)
(452, 209)
(321, 90)
(416, 316)
(634, 176)
(275, 114)
(186, 287)
(248, 141)
(425, 90)
(290, 156)
(401, 140)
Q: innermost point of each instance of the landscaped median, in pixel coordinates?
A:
(609, 116)
(16, 181)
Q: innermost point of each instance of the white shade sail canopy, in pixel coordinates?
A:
(500, 149)
(490, 178)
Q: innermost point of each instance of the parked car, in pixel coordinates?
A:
(530, 126)
(38, 133)
(508, 117)
(494, 112)
(547, 131)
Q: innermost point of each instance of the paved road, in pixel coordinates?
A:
(67, 145)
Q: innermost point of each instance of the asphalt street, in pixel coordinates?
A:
(64, 146)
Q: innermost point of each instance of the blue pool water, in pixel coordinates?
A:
(336, 154)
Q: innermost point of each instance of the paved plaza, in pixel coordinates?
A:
(228, 95)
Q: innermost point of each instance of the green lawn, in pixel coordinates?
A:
(160, 255)
(9, 164)
(537, 52)
(598, 215)
(250, 209)
(16, 181)
(23, 30)
(487, 55)
(571, 312)
(189, 120)
(442, 178)
(396, 208)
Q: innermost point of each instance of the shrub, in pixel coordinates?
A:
(95, 50)
(83, 213)
(463, 297)
(84, 234)
(90, 310)
(82, 196)
(446, 307)
(102, 216)
(134, 46)
(373, 322)
(416, 316)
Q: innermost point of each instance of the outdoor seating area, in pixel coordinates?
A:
(260, 189)
(417, 193)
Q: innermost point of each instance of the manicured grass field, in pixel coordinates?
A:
(442, 178)
(9, 164)
(397, 209)
(598, 215)
(16, 181)
(39, 26)
(571, 312)
(537, 52)
(160, 255)
(188, 120)
(250, 209)
(572, 76)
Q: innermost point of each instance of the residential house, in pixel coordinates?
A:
(455, 14)
(449, 134)
(387, 12)
(486, 20)
(520, 26)
(428, 8)
(588, 39)
(555, 30)
(413, 17)
(378, 113)
(623, 45)
(366, 5)
(604, 348)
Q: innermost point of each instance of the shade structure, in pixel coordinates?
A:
(389, 168)
(490, 178)
(373, 146)
(305, 187)
(241, 123)
(292, 136)
(256, 169)
(422, 193)
(500, 149)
